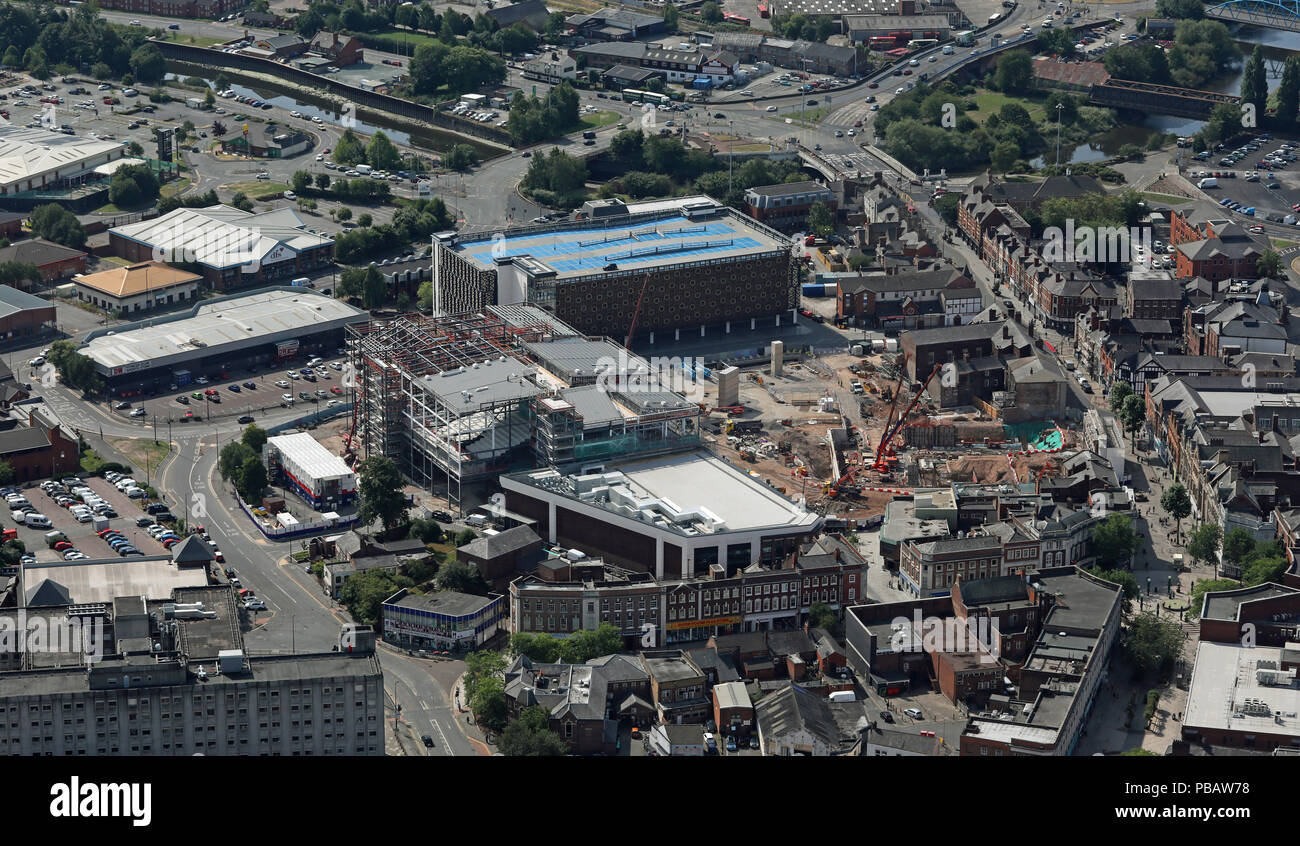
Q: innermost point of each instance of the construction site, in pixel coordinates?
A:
(460, 399)
(848, 433)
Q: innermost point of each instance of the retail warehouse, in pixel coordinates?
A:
(678, 264)
(265, 327)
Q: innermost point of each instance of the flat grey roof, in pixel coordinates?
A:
(1225, 677)
(467, 389)
(448, 602)
(103, 580)
(1223, 605)
(1083, 605)
(220, 325)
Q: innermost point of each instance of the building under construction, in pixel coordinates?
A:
(647, 267)
(462, 398)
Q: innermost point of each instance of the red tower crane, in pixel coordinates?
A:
(884, 452)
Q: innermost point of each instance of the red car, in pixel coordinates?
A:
(336, 390)
(873, 85)
(857, 123)
(62, 545)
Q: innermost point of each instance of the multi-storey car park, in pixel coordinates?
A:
(263, 327)
(462, 398)
(643, 268)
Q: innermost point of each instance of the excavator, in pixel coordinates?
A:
(885, 457)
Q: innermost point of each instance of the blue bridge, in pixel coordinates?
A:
(1276, 14)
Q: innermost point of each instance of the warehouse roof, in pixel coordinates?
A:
(268, 315)
(13, 301)
(307, 454)
(27, 152)
(223, 237)
(467, 389)
(38, 252)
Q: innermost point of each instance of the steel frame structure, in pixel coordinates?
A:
(1277, 14)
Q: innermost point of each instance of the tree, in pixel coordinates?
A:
(1177, 504)
(241, 201)
(380, 487)
(148, 64)
(75, 370)
(1262, 568)
(344, 214)
(1014, 73)
(1114, 541)
(323, 181)
(230, 462)
(821, 616)
(820, 220)
(461, 157)
(1269, 264)
(461, 577)
(364, 219)
(209, 99)
(1152, 643)
(309, 23)
(1203, 544)
(252, 479)
(531, 736)
(1119, 392)
(16, 273)
(541, 648)
(1254, 82)
(55, 223)
(374, 290)
(349, 149)
(350, 282)
(6, 472)
(218, 129)
(254, 437)
(1133, 414)
(222, 82)
(711, 12)
(671, 16)
(582, 646)
(1288, 92)
(488, 703)
(301, 181)
(381, 154)
(363, 593)
(427, 531)
(1238, 545)
(1194, 9)
(1004, 157)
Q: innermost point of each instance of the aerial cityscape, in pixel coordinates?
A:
(735, 378)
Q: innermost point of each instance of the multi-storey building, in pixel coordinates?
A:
(786, 206)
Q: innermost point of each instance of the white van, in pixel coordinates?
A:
(947, 49)
(1208, 182)
(477, 520)
(38, 521)
(843, 696)
(364, 169)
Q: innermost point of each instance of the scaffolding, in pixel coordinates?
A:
(436, 442)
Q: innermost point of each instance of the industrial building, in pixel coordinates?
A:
(647, 268)
(41, 160)
(676, 515)
(463, 398)
(231, 248)
(309, 470)
(267, 326)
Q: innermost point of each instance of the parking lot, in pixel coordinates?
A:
(81, 535)
(1243, 177)
(241, 393)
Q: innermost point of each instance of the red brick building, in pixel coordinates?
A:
(342, 50)
(54, 261)
(42, 448)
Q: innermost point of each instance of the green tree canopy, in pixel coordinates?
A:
(461, 577)
(380, 487)
(1177, 504)
(1152, 643)
(1114, 541)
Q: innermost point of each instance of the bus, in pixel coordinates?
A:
(731, 17)
(631, 95)
(965, 39)
(898, 52)
(882, 42)
(763, 11)
(923, 43)
(994, 18)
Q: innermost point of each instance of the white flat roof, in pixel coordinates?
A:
(256, 318)
(103, 581)
(223, 237)
(307, 455)
(1225, 676)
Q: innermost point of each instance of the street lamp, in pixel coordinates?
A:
(1059, 107)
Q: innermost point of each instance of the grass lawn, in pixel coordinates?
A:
(810, 118)
(1281, 244)
(196, 40)
(176, 187)
(991, 102)
(595, 120)
(138, 450)
(109, 208)
(257, 190)
(1167, 199)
